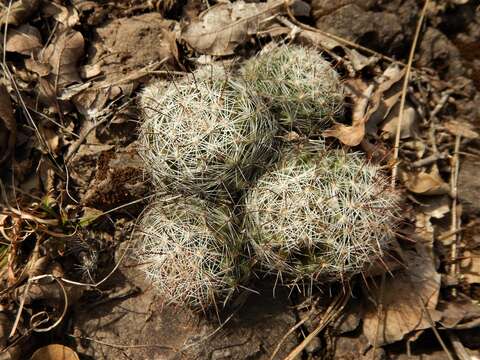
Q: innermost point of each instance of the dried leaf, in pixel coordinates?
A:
(66, 16)
(463, 128)
(409, 126)
(470, 266)
(402, 301)
(8, 120)
(52, 139)
(385, 97)
(46, 94)
(348, 135)
(366, 101)
(23, 40)
(353, 135)
(63, 55)
(358, 61)
(89, 71)
(224, 26)
(425, 183)
(54, 352)
(40, 69)
(459, 314)
(436, 207)
(19, 12)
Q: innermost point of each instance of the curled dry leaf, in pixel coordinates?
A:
(348, 135)
(66, 16)
(19, 12)
(63, 55)
(23, 40)
(368, 104)
(354, 134)
(425, 183)
(460, 314)
(224, 26)
(405, 299)
(8, 124)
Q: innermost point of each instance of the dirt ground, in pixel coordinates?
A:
(73, 186)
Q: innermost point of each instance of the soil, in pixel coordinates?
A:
(76, 158)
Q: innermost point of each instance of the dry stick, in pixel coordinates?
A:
(404, 92)
(82, 138)
(292, 329)
(333, 310)
(380, 314)
(121, 346)
(458, 346)
(434, 329)
(455, 219)
(403, 98)
(338, 38)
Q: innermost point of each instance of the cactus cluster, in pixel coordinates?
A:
(304, 213)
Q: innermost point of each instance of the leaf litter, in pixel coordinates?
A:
(74, 67)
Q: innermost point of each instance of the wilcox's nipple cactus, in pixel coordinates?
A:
(204, 133)
(191, 252)
(301, 87)
(320, 214)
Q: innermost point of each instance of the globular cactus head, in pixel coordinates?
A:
(204, 133)
(302, 88)
(191, 252)
(320, 215)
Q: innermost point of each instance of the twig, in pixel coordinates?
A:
(82, 138)
(458, 346)
(121, 346)
(397, 144)
(292, 329)
(455, 218)
(331, 313)
(432, 325)
(429, 159)
(404, 92)
(380, 314)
